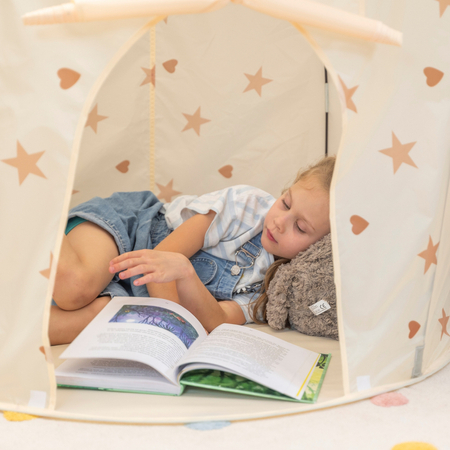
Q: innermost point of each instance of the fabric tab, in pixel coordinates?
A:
(417, 369)
(363, 383)
(38, 399)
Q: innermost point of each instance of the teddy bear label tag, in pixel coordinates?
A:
(320, 307)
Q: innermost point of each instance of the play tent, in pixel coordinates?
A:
(190, 96)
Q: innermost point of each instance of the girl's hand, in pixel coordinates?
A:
(155, 266)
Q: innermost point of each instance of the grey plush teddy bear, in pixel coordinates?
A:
(305, 281)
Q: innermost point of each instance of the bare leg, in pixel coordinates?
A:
(83, 268)
(65, 326)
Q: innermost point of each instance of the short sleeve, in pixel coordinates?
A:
(240, 212)
(246, 302)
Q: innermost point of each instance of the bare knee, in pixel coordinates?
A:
(75, 287)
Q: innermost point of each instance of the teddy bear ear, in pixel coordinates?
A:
(277, 311)
(280, 281)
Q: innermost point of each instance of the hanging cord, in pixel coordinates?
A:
(326, 112)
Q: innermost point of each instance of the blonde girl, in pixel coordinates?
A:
(316, 179)
(209, 253)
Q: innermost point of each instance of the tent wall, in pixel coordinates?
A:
(38, 116)
(87, 49)
(259, 136)
(383, 290)
(392, 296)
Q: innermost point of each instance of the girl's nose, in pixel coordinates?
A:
(280, 224)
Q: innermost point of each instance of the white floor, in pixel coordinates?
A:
(422, 422)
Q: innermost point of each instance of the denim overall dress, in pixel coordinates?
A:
(135, 222)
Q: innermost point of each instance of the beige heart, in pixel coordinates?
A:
(226, 171)
(433, 75)
(123, 166)
(68, 77)
(413, 328)
(359, 224)
(170, 65)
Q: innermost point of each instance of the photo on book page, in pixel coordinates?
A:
(158, 317)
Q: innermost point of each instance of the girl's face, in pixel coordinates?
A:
(296, 220)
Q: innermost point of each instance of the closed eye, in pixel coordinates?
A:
(288, 207)
(299, 229)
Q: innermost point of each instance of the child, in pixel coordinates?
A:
(193, 251)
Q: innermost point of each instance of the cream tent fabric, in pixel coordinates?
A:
(227, 94)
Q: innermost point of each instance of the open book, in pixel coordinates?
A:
(156, 346)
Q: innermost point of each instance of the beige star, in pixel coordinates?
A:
(429, 255)
(194, 121)
(444, 321)
(46, 272)
(348, 95)
(94, 118)
(150, 76)
(399, 153)
(443, 6)
(167, 192)
(25, 163)
(256, 81)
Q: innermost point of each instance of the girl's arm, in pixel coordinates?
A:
(187, 239)
(168, 273)
(197, 299)
(164, 267)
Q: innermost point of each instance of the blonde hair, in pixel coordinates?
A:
(321, 172)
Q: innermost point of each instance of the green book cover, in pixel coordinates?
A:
(129, 391)
(229, 382)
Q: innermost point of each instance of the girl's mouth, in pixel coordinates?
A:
(271, 238)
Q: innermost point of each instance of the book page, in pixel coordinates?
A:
(115, 374)
(156, 332)
(267, 360)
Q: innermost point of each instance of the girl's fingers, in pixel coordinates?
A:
(127, 256)
(156, 267)
(134, 271)
(152, 277)
(120, 258)
(147, 278)
(126, 264)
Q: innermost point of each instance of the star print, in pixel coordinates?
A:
(167, 192)
(194, 121)
(399, 153)
(256, 81)
(150, 76)
(429, 255)
(94, 118)
(443, 6)
(46, 272)
(444, 321)
(348, 92)
(25, 163)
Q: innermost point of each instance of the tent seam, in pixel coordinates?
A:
(152, 86)
(433, 304)
(334, 235)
